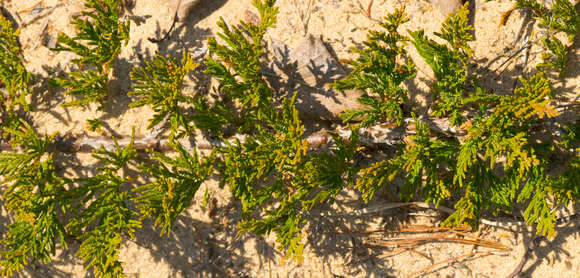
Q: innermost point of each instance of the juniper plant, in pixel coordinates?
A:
(97, 44)
(271, 169)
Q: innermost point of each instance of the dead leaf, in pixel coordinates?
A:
(181, 8)
(505, 16)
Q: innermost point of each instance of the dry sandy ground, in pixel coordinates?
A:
(204, 245)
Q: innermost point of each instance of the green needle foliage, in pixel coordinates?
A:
(427, 164)
(94, 125)
(504, 134)
(437, 168)
(562, 17)
(240, 69)
(565, 187)
(275, 178)
(176, 181)
(13, 74)
(271, 171)
(380, 69)
(159, 84)
(32, 193)
(270, 168)
(102, 212)
(448, 63)
(97, 44)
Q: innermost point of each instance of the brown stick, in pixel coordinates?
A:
(372, 136)
(382, 134)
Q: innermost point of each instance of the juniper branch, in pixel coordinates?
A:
(97, 44)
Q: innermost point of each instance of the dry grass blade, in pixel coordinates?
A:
(443, 263)
(400, 244)
(25, 10)
(446, 237)
(366, 11)
(414, 229)
(304, 16)
(369, 9)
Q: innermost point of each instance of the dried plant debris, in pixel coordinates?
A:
(310, 69)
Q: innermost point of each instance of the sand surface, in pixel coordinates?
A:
(205, 242)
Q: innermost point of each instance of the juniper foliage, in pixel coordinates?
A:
(240, 71)
(159, 84)
(176, 181)
(436, 168)
(449, 63)
(97, 44)
(271, 171)
(379, 68)
(427, 165)
(102, 212)
(13, 73)
(32, 193)
(270, 168)
(275, 169)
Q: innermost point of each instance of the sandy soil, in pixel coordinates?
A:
(205, 242)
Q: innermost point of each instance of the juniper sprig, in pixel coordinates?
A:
(176, 181)
(160, 84)
(32, 193)
(13, 73)
(240, 69)
(97, 44)
(102, 212)
(380, 69)
(449, 63)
